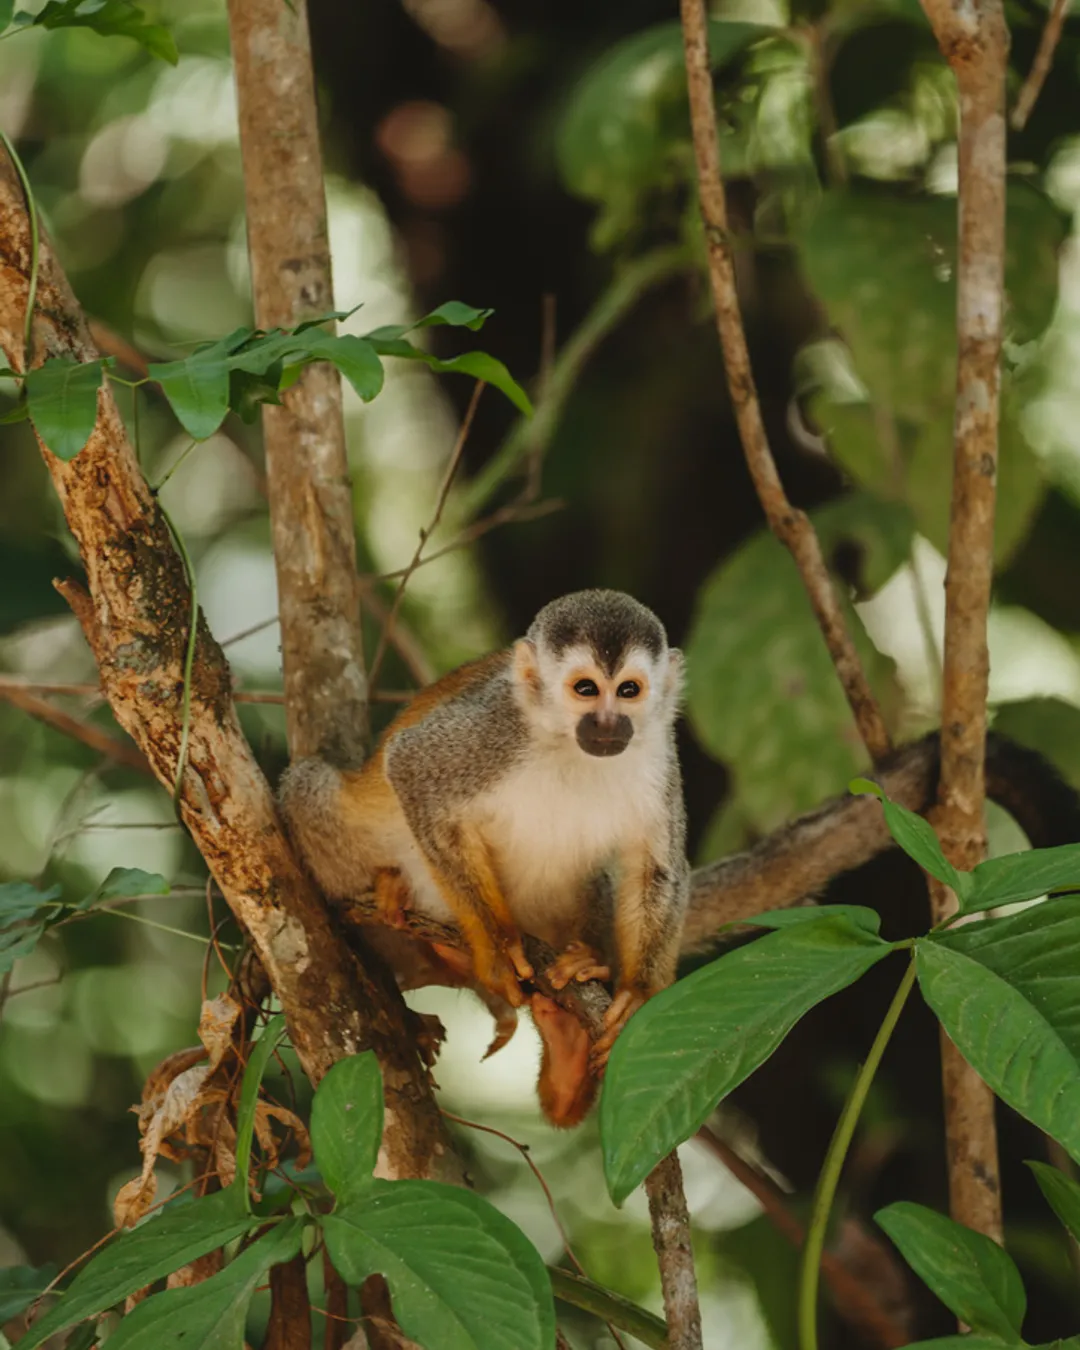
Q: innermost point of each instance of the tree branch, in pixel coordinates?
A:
(136, 620)
(792, 527)
(120, 752)
(674, 1254)
(1040, 67)
(975, 42)
(311, 512)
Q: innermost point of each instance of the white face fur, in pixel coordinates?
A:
(570, 697)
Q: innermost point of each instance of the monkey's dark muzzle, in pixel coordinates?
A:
(604, 738)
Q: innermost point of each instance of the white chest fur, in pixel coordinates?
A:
(557, 822)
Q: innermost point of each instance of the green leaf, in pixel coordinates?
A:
(126, 881)
(347, 1124)
(1062, 1195)
(62, 397)
(762, 693)
(354, 357)
(7, 8)
(462, 1276)
(1023, 876)
(1006, 992)
(20, 900)
(625, 133)
(900, 325)
(970, 1273)
(688, 1047)
(83, 1338)
(20, 1285)
(457, 315)
(155, 1249)
(869, 920)
(15, 943)
(916, 837)
(479, 365)
(248, 392)
(258, 1059)
(197, 387)
(110, 18)
(19, 412)
(210, 1315)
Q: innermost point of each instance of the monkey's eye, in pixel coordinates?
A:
(628, 689)
(586, 689)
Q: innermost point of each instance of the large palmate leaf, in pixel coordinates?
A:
(462, 1276)
(210, 1315)
(692, 1044)
(1006, 992)
(148, 1253)
(347, 1125)
(970, 1273)
(762, 692)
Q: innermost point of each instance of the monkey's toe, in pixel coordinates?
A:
(578, 962)
(623, 1006)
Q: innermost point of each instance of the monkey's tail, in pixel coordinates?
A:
(804, 855)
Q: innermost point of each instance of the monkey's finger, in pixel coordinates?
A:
(516, 954)
(578, 962)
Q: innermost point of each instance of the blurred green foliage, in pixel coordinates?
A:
(528, 151)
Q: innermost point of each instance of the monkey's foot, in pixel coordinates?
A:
(391, 895)
(578, 962)
(623, 1006)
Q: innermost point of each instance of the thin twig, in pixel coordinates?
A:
(792, 527)
(974, 40)
(1040, 67)
(426, 533)
(402, 638)
(120, 752)
(855, 1303)
(674, 1253)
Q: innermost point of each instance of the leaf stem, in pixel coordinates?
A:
(620, 1312)
(189, 655)
(173, 468)
(35, 250)
(834, 1163)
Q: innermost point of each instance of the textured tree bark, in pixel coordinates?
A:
(975, 41)
(311, 512)
(136, 619)
(674, 1255)
(289, 1327)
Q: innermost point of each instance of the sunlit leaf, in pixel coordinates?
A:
(20, 1285)
(155, 1249)
(970, 1273)
(1006, 992)
(347, 1124)
(62, 396)
(692, 1044)
(110, 18)
(916, 836)
(1062, 1195)
(211, 1315)
(462, 1276)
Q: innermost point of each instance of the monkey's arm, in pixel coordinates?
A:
(804, 855)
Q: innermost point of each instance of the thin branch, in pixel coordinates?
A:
(792, 527)
(854, 1302)
(674, 1253)
(120, 752)
(1040, 67)
(402, 638)
(13, 687)
(311, 508)
(531, 436)
(974, 40)
(425, 534)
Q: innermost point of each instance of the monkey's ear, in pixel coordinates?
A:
(676, 673)
(526, 666)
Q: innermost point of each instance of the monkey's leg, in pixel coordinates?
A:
(567, 1087)
(460, 974)
(463, 870)
(578, 961)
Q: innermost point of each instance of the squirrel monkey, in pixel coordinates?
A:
(534, 791)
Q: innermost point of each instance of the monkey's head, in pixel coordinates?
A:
(595, 667)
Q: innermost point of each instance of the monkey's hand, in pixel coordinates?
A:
(578, 962)
(500, 967)
(623, 1006)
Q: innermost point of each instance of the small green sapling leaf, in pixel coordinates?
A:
(970, 1273)
(258, 1059)
(62, 399)
(347, 1124)
(20, 900)
(860, 915)
(110, 18)
(1062, 1195)
(1022, 876)
(916, 837)
(123, 882)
